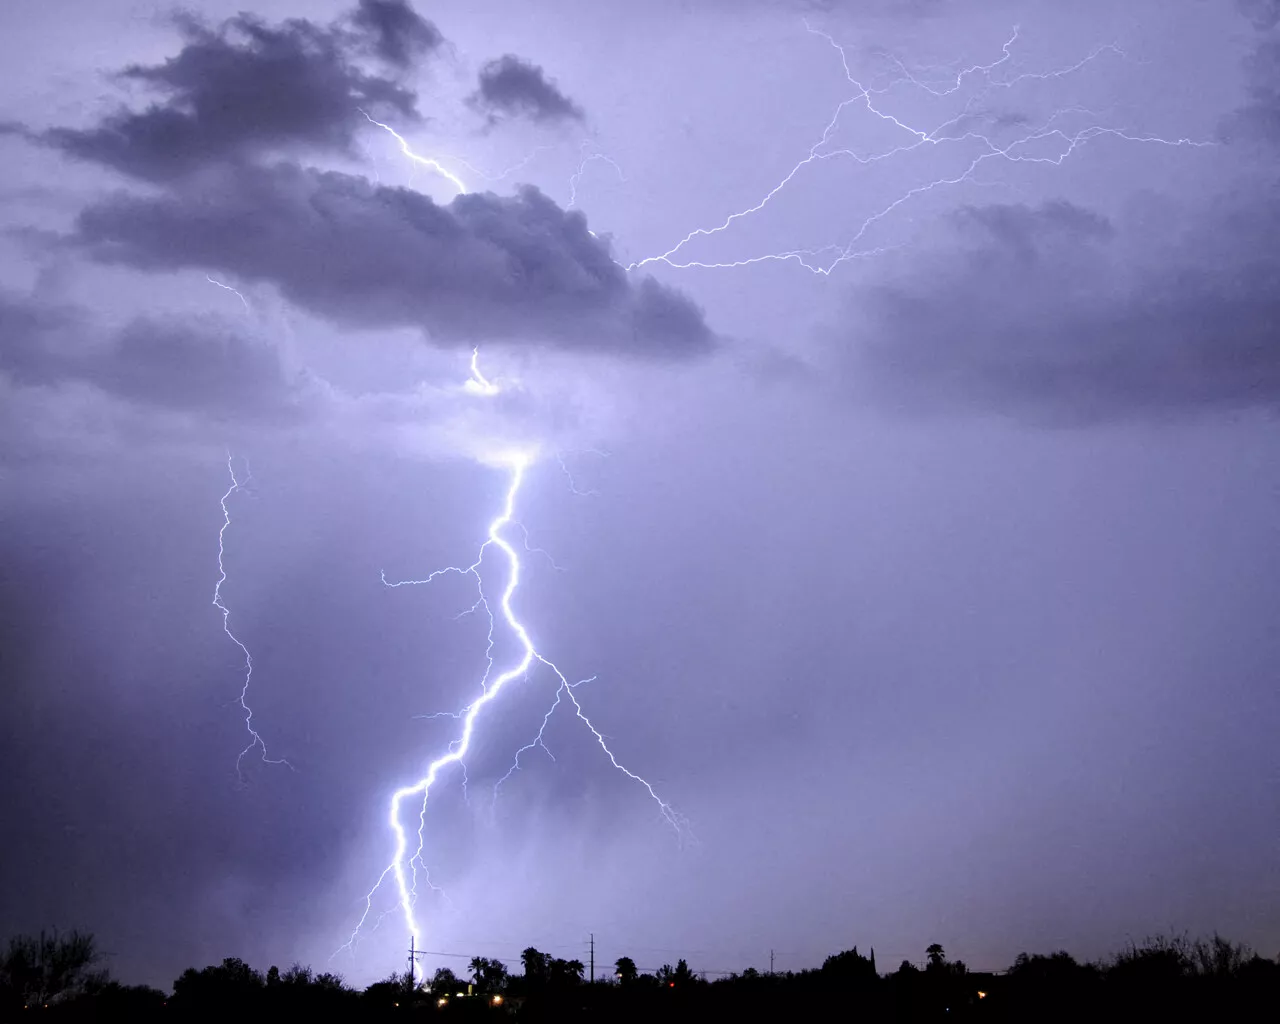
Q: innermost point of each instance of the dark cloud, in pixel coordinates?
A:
(201, 366)
(1259, 118)
(193, 364)
(1265, 14)
(29, 331)
(483, 267)
(1036, 313)
(247, 87)
(397, 32)
(513, 87)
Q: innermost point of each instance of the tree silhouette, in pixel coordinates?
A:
(563, 973)
(849, 966)
(490, 975)
(1161, 979)
(535, 965)
(444, 980)
(36, 971)
(389, 991)
(625, 969)
(230, 987)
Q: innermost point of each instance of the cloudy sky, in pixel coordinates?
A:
(901, 378)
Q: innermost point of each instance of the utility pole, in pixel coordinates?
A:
(770, 961)
(593, 958)
(413, 959)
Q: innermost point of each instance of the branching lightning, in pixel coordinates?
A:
(404, 866)
(255, 739)
(825, 259)
(1051, 141)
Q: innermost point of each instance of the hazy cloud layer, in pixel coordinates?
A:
(514, 87)
(1034, 313)
(28, 333)
(248, 87)
(1259, 117)
(484, 267)
(196, 363)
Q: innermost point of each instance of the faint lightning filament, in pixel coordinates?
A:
(255, 739)
(823, 260)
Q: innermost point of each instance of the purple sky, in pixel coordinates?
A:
(935, 586)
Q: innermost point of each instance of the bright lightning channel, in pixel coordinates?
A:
(403, 868)
(825, 259)
(425, 161)
(478, 383)
(437, 167)
(255, 739)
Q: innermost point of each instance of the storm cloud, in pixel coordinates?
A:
(1033, 312)
(514, 87)
(246, 87)
(398, 33)
(198, 364)
(482, 268)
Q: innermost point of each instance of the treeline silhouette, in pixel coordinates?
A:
(57, 978)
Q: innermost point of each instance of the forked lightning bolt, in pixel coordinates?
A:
(825, 259)
(403, 868)
(971, 126)
(255, 739)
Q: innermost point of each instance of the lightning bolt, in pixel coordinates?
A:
(228, 288)
(434, 165)
(478, 383)
(403, 867)
(972, 126)
(255, 739)
(425, 161)
(825, 259)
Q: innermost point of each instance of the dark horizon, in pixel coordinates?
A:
(1200, 979)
